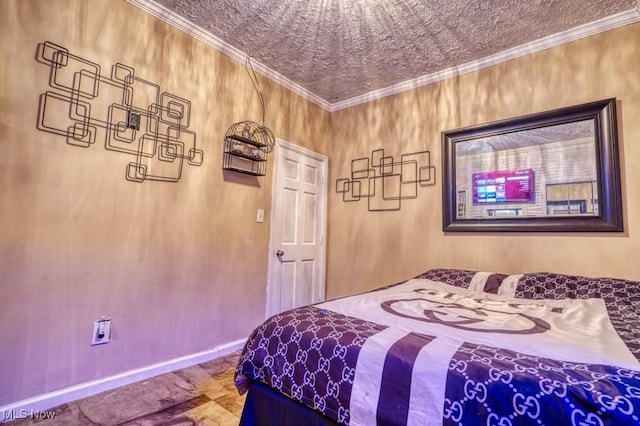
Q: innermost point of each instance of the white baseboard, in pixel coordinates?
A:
(53, 399)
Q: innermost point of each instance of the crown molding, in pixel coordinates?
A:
(614, 21)
(210, 40)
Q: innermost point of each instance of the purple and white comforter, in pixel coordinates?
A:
(458, 348)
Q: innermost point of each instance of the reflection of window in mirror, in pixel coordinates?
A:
(575, 198)
(462, 204)
(504, 212)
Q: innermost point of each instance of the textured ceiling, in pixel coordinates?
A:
(578, 130)
(341, 49)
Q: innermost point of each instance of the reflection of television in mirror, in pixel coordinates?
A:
(507, 186)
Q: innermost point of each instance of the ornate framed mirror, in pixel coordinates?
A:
(551, 171)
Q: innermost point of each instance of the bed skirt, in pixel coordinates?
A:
(265, 407)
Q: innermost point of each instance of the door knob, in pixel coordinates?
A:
(279, 253)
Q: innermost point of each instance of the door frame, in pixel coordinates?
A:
(271, 258)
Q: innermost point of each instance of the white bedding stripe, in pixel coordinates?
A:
(366, 383)
(508, 286)
(428, 382)
(478, 282)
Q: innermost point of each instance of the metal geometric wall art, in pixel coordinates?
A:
(131, 115)
(385, 182)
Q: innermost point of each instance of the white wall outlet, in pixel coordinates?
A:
(101, 332)
(260, 216)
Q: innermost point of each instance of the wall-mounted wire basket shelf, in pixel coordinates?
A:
(246, 146)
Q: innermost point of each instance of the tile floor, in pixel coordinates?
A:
(200, 395)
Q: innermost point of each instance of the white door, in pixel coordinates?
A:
(298, 219)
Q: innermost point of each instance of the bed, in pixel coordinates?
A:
(452, 347)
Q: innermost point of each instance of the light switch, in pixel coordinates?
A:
(260, 216)
(133, 120)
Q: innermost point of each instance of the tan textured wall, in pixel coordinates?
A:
(369, 249)
(179, 267)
